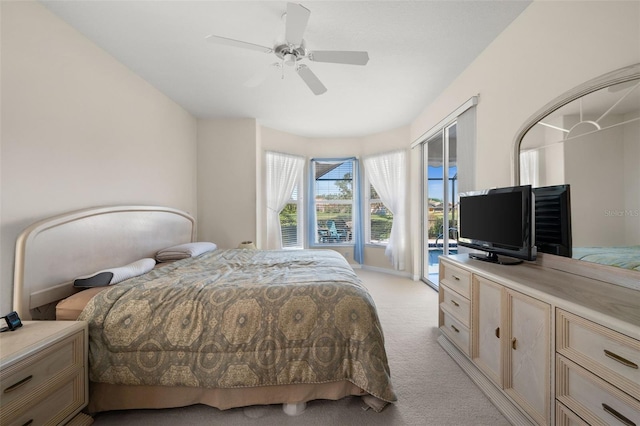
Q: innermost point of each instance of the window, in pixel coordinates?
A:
(379, 221)
(387, 198)
(290, 219)
(333, 201)
(283, 184)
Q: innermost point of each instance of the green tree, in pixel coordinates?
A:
(289, 215)
(345, 187)
(436, 227)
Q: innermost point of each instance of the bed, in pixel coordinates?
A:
(627, 257)
(226, 328)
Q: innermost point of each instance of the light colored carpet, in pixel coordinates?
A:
(431, 388)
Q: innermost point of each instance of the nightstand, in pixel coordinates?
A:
(249, 245)
(43, 374)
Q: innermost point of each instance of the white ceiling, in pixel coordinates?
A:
(416, 49)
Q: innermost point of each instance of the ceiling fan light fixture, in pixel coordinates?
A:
(289, 59)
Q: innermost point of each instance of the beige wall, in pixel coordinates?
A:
(80, 130)
(632, 174)
(592, 167)
(227, 181)
(550, 48)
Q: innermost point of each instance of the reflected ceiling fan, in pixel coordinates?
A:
(292, 49)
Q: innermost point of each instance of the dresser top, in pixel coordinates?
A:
(32, 337)
(612, 305)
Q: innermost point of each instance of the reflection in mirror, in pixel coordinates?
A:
(593, 144)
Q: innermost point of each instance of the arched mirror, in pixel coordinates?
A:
(589, 138)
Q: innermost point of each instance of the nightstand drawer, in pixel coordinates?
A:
(593, 399)
(30, 374)
(456, 331)
(456, 305)
(456, 279)
(607, 353)
(59, 403)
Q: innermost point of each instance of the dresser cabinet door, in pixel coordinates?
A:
(527, 354)
(487, 313)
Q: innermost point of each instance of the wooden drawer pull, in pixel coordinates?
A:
(455, 278)
(17, 385)
(620, 359)
(498, 332)
(455, 328)
(617, 415)
(28, 422)
(456, 304)
(513, 343)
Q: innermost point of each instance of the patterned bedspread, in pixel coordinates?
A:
(627, 257)
(240, 318)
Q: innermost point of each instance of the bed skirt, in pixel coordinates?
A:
(108, 397)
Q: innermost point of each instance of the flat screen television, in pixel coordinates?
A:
(553, 220)
(499, 221)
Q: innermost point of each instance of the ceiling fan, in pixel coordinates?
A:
(293, 49)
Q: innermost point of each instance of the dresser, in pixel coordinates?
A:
(43, 374)
(547, 347)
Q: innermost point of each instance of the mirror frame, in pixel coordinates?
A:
(610, 274)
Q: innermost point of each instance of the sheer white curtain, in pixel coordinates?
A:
(466, 151)
(529, 166)
(283, 172)
(387, 174)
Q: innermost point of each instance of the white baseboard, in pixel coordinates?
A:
(386, 271)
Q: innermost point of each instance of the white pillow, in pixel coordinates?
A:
(115, 275)
(183, 251)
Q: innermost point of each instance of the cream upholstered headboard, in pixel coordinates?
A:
(51, 253)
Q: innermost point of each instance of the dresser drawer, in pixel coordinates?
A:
(456, 305)
(27, 376)
(611, 355)
(456, 279)
(456, 331)
(593, 399)
(58, 403)
(566, 417)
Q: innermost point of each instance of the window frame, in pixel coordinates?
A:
(313, 219)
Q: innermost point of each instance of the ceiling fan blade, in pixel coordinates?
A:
(297, 18)
(237, 43)
(340, 57)
(311, 80)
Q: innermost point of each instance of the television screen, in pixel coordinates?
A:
(499, 221)
(496, 218)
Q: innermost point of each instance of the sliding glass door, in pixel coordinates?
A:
(440, 223)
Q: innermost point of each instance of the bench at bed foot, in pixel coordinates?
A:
(294, 409)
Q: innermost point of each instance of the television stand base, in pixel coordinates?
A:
(494, 258)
